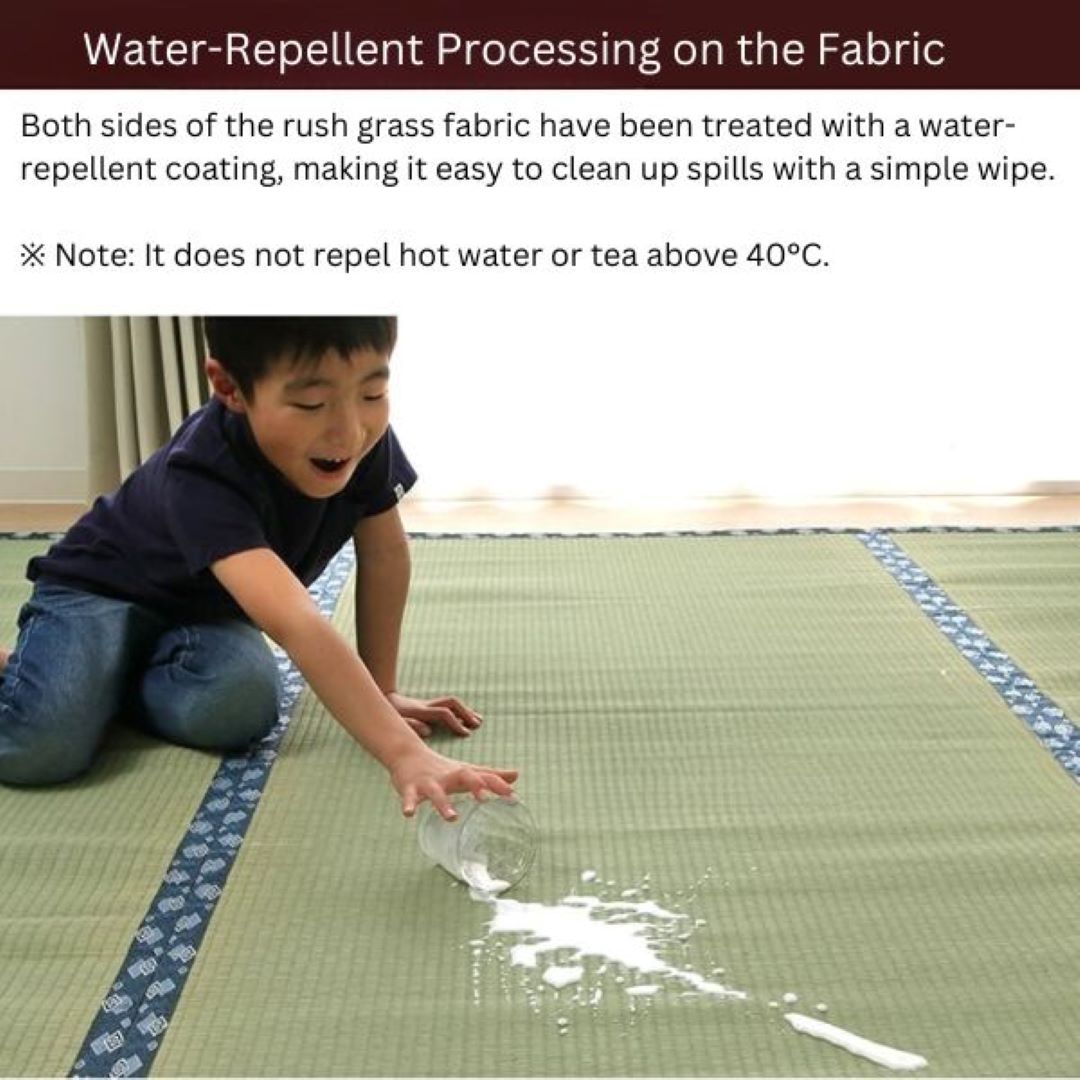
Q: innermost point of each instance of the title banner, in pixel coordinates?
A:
(120, 44)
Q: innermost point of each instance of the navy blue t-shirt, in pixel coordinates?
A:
(207, 494)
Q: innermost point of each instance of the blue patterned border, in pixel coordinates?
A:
(31, 535)
(127, 1032)
(779, 530)
(1045, 718)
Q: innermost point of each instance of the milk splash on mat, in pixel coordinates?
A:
(585, 945)
(621, 943)
(620, 932)
(855, 1044)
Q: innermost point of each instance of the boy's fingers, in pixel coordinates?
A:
(430, 715)
(418, 726)
(409, 799)
(462, 711)
(441, 801)
(499, 786)
(451, 714)
(497, 781)
(449, 719)
(478, 785)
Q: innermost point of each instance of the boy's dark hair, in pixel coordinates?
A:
(248, 346)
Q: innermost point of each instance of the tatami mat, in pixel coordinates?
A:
(762, 733)
(79, 866)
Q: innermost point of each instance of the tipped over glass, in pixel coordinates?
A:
(490, 846)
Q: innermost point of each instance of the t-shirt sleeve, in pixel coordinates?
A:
(208, 517)
(383, 477)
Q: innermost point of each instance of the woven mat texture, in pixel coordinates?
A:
(763, 732)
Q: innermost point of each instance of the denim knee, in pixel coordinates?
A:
(38, 755)
(214, 687)
(239, 711)
(63, 683)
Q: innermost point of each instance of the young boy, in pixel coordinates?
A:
(154, 604)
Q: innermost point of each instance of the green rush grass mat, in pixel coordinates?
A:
(763, 735)
(1024, 591)
(79, 865)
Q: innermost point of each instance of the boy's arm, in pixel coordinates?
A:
(383, 570)
(276, 601)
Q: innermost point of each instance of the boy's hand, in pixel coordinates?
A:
(425, 774)
(445, 711)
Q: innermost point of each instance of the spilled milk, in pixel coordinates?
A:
(621, 932)
(552, 939)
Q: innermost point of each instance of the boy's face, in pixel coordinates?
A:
(314, 422)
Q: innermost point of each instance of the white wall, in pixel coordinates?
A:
(661, 409)
(42, 410)
(487, 408)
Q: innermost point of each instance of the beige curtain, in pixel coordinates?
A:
(144, 374)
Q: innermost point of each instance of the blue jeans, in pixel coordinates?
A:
(83, 661)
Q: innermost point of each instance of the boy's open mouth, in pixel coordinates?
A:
(329, 465)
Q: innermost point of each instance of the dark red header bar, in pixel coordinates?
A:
(274, 44)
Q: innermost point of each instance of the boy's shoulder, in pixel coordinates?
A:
(204, 433)
(212, 441)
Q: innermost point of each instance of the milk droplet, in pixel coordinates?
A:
(558, 976)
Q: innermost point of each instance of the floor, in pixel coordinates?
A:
(579, 515)
(815, 778)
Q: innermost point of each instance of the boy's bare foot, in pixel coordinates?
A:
(4, 656)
